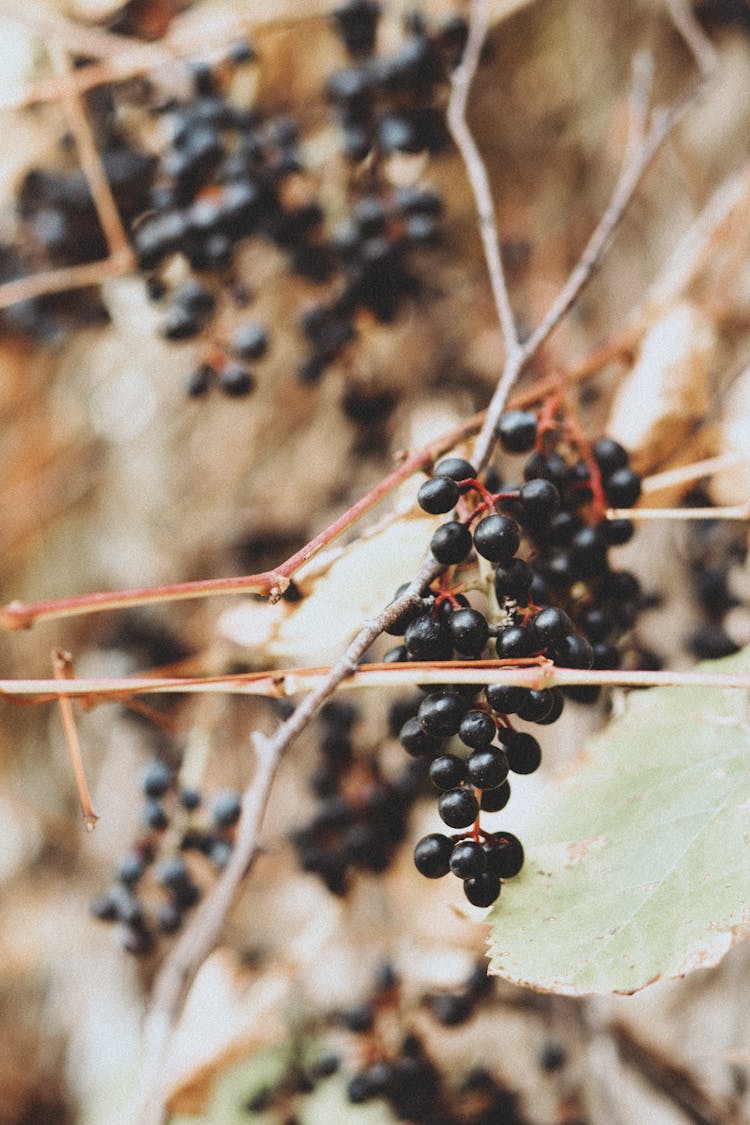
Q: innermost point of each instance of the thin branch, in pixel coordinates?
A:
(91, 162)
(678, 1083)
(285, 683)
(700, 46)
(641, 146)
(737, 512)
(204, 931)
(63, 280)
(476, 171)
(686, 474)
(21, 615)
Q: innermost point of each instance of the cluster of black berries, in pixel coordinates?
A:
(371, 250)
(393, 103)
(547, 540)
(408, 1079)
(228, 173)
(155, 885)
(454, 1007)
(713, 547)
(362, 816)
(57, 224)
(399, 1071)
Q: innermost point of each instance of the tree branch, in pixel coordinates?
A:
(643, 142)
(204, 931)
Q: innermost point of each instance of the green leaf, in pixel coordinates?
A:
(637, 865)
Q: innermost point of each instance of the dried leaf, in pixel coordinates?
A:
(356, 585)
(668, 389)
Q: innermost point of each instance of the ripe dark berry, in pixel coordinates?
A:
(573, 651)
(588, 552)
(468, 859)
(131, 868)
(398, 627)
(190, 799)
(154, 816)
(447, 771)
(516, 430)
(477, 729)
(174, 873)
(539, 500)
(432, 855)
(455, 468)
(440, 714)
(609, 455)
(156, 779)
(451, 1009)
(235, 380)
(504, 855)
(469, 630)
(458, 808)
(552, 468)
(483, 890)
(524, 753)
(505, 700)
(537, 706)
(514, 643)
(513, 581)
(451, 542)
(493, 800)
(623, 487)
(555, 711)
(438, 495)
(226, 808)
(549, 626)
(416, 741)
(617, 532)
(169, 918)
(488, 767)
(249, 341)
(497, 538)
(428, 638)
(200, 379)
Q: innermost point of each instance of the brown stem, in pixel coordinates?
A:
(476, 171)
(533, 673)
(204, 931)
(91, 163)
(62, 669)
(21, 615)
(677, 1082)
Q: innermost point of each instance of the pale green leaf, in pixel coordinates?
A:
(637, 864)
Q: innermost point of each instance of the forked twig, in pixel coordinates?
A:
(643, 142)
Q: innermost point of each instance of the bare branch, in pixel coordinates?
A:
(641, 146)
(91, 163)
(63, 280)
(21, 615)
(685, 474)
(532, 673)
(477, 173)
(204, 931)
(677, 1082)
